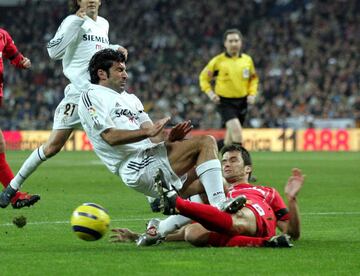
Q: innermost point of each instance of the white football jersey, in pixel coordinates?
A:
(75, 42)
(101, 108)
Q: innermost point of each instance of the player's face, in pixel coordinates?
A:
(117, 76)
(91, 6)
(233, 167)
(233, 44)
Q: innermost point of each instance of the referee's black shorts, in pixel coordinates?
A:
(230, 108)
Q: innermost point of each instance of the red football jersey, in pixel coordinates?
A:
(262, 194)
(9, 51)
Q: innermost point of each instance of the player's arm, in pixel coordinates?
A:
(65, 34)
(146, 123)
(126, 235)
(119, 48)
(205, 78)
(281, 211)
(292, 188)
(159, 137)
(114, 136)
(253, 84)
(179, 131)
(12, 53)
(283, 225)
(123, 235)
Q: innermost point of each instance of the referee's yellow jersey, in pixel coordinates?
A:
(235, 77)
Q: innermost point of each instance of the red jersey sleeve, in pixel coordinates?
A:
(278, 205)
(11, 52)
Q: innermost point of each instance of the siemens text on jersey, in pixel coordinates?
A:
(88, 37)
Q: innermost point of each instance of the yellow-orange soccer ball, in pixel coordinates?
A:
(90, 221)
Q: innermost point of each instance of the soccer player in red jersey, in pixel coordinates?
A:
(248, 218)
(257, 210)
(9, 51)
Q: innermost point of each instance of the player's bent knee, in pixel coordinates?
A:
(208, 140)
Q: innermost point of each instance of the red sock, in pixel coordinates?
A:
(245, 241)
(5, 172)
(208, 216)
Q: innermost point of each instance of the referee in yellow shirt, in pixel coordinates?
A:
(236, 84)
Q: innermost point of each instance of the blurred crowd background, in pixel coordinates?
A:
(307, 55)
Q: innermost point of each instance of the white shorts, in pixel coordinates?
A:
(66, 114)
(140, 169)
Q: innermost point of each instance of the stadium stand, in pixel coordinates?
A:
(306, 53)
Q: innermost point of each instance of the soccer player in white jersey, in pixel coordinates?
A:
(79, 36)
(134, 148)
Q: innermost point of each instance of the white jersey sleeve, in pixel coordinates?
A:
(143, 116)
(66, 33)
(96, 113)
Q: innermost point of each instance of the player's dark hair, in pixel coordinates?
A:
(232, 31)
(245, 155)
(73, 6)
(103, 59)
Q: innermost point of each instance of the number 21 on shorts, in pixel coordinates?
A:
(69, 109)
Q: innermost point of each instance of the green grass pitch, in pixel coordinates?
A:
(329, 203)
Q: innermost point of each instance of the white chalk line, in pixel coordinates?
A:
(68, 221)
(332, 214)
(145, 219)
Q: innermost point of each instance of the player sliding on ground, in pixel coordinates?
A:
(250, 216)
(132, 147)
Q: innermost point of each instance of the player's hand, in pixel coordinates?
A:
(179, 131)
(124, 51)
(294, 184)
(213, 97)
(81, 12)
(123, 235)
(25, 63)
(251, 99)
(157, 127)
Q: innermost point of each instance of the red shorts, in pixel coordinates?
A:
(265, 218)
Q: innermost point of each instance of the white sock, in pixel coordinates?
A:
(196, 198)
(210, 176)
(172, 223)
(28, 167)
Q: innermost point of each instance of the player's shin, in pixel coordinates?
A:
(210, 176)
(29, 166)
(172, 223)
(208, 216)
